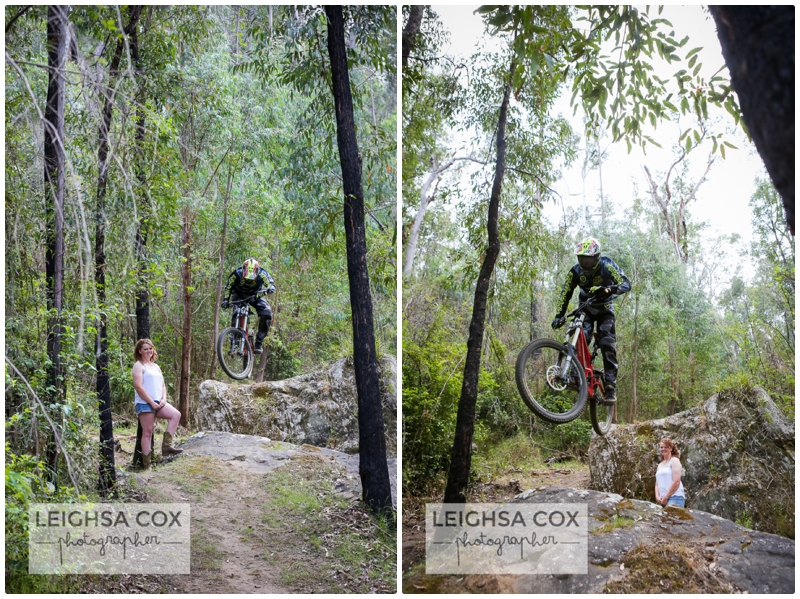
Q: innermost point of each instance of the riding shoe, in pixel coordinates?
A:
(258, 348)
(611, 395)
(167, 448)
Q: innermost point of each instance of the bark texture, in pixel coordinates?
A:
(57, 34)
(758, 46)
(372, 445)
(411, 29)
(461, 459)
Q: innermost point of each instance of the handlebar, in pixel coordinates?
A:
(245, 300)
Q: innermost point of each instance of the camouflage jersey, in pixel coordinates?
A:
(605, 274)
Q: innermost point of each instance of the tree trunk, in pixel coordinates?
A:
(107, 479)
(54, 179)
(758, 46)
(140, 242)
(373, 467)
(461, 459)
(186, 348)
(411, 30)
(634, 404)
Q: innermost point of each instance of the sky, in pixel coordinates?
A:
(722, 199)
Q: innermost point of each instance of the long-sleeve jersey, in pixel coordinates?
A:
(606, 274)
(244, 287)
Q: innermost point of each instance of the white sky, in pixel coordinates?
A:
(722, 199)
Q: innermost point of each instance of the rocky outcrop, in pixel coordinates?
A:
(737, 452)
(640, 547)
(319, 409)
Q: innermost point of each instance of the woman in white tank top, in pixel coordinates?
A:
(669, 488)
(151, 400)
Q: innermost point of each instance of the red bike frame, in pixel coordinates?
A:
(585, 357)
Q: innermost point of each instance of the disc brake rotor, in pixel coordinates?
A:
(554, 378)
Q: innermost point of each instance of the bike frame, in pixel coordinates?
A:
(579, 349)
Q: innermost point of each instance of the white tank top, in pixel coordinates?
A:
(152, 381)
(664, 480)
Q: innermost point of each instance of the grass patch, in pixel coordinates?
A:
(195, 475)
(614, 523)
(205, 553)
(344, 548)
(667, 566)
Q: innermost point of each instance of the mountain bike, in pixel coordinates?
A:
(556, 379)
(235, 344)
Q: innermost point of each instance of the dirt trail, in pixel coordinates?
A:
(264, 516)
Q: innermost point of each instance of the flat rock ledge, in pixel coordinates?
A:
(625, 533)
(260, 454)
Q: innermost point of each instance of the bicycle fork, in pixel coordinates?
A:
(568, 361)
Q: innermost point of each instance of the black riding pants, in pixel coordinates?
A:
(603, 323)
(264, 312)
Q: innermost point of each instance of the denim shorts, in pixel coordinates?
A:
(143, 408)
(676, 501)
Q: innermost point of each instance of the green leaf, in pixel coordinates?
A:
(693, 52)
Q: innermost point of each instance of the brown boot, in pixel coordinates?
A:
(167, 448)
(146, 461)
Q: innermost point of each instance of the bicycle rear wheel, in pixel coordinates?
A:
(601, 414)
(551, 396)
(235, 354)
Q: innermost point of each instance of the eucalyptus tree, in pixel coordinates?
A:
(107, 471)
(432, 94)
(536, 93)
(54, 184)
(359, 40)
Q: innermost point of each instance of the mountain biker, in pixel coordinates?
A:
(599, 278)
(245, 282)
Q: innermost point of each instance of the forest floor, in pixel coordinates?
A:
(501, 486)
(297, 527)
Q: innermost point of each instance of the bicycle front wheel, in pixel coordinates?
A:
(553, 391)
(235, 354)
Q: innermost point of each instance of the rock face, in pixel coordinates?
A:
(319, 409)
(636, 546)
(737, 452)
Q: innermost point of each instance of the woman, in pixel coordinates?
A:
(151, 400)
(669, 488)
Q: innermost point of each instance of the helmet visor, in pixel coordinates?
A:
(588, 262)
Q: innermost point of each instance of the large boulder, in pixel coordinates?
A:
(737, 452)
(640, 547)
(318, 409)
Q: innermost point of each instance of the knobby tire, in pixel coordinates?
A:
(600, 413)
(237, 366)
(531, 375)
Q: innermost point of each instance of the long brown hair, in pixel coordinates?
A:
(137, 351)
(673, 449)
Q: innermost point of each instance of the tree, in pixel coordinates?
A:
(465, 421)
(372, 443)
(54, 178)
(107, 471)
(758, 46)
